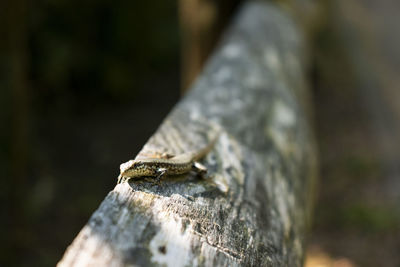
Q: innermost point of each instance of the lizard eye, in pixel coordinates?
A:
(137, 165)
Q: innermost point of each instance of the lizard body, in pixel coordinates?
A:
(169, 165)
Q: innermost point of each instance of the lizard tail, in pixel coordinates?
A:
(205, 150)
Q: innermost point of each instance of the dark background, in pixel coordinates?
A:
(83, 85)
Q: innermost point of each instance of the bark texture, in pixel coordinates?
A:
(253, 207)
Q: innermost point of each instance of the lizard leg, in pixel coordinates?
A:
(121, 179)
(200, 169)
(157, 155)
(160, 173)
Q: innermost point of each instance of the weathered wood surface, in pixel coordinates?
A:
(253, 208)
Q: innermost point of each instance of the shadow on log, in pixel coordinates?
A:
(253, 206)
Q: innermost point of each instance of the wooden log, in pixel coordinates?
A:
(253, 206)
(201, 23)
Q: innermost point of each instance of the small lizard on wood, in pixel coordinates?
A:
(166, 165)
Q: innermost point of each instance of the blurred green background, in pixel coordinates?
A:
(356, 87)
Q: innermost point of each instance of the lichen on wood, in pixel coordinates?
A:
(252, 207)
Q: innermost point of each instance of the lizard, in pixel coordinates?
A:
(166, 165)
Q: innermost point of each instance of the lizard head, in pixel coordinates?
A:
(132, 168)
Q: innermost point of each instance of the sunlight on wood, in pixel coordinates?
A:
(316, 257)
